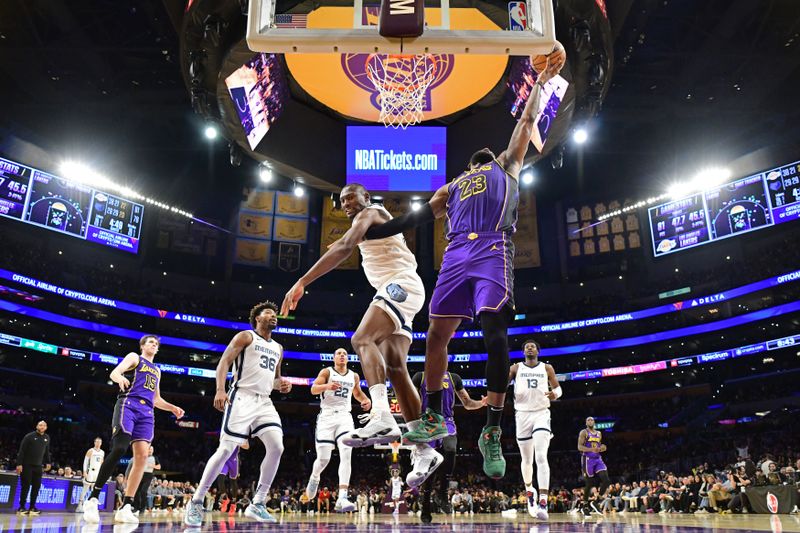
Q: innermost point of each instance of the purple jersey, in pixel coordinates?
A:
(593, 439)
(144, 382)
(482, 200)
(448, 395)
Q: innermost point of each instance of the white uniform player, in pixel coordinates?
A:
(396, 483)
(391, 269)
(249, 411)
(336, 385)
(535, 385)
(383, 337)
(91, 466)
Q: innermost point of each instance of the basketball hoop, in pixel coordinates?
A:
(402, 81)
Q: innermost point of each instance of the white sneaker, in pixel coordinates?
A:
(424, 462)
(125, 515)
(311, 488)
(380, 428)
(531, 501)
(541, 512)
(257, 511)
(91, 513)
(343, 505)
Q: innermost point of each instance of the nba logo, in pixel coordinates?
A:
(517, 16)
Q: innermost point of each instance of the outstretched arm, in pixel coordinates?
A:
(511, 159)
(332, 258)
(435, 208)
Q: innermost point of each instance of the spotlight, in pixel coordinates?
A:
(210, 132)
(299, 191)
(415, 206)
(265, 174)
(527, 177)
(580, 136)
(710, 177)
(679, 190)
(378, 198)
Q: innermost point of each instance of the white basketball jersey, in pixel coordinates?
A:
(384, 259)
(254, 368)
(397, 486)
(339, 400)
(93, 463)
(530, 388)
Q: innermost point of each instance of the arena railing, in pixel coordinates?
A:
(186, 318)
(600, 373)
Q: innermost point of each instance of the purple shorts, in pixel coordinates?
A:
(477, 275)
(134, 417)
(592, 465)
(231, 466)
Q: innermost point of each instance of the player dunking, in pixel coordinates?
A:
(383, 337)
(336, 385)
(592, 465)
(453, 387)
(132, 425)
(535, 386)
(91, 466)
(477, 275)
(249, 411)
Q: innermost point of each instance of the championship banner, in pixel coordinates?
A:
(290, 229)
(255, 199)
(439, 242)
(289, 256)
(334, 224)
(526, 239)
(255, 225)
(774, 499)
(290, 205)
(252, 252)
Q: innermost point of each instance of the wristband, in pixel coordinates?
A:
(558, 392)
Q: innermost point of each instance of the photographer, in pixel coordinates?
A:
(739, 483)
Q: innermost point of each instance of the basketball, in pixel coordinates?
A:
(558, 55)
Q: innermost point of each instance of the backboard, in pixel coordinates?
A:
(523, 28)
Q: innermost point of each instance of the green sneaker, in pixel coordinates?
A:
(494, 464)
(431, 428)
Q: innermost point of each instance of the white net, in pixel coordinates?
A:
(402, 81)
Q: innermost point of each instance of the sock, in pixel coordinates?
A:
(435, 401)
(380, 401)
(493, 415)
(342, 494)
(127, 500)
(529, 488)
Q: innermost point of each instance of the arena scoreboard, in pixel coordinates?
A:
(35, 197)
(740, 206)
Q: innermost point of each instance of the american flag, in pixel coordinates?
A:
(290, 20)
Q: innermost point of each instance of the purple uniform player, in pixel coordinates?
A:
(477, 276)
(231, 466)
(139, 381)
(590, 445)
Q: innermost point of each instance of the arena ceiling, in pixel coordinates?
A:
(692, 82)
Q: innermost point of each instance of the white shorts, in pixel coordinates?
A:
(529, 422)
(248, 415)
(402, 297)
(91, 476)
(396, 493)
(332, 425)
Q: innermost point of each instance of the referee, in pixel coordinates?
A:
(34, 451)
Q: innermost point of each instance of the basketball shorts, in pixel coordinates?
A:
(592, 465)
(477, 276)
(134, 417)
(396, 493)
(331, 426)
(248, 415)
(529, 422)
(401, 297)
(91, 476)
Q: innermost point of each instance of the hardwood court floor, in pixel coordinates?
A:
(218, 523)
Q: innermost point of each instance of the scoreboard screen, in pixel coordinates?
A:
(740, 206)
(48, 201)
